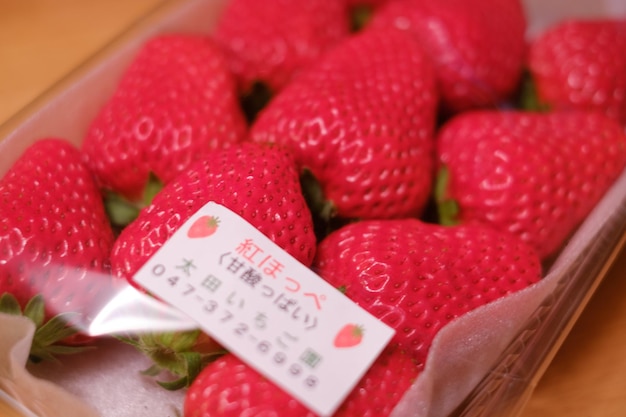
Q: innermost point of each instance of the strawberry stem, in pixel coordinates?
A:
(10, 305)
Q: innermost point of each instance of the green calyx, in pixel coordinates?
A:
(255, 100)
(49, 334)
(175, 353)
(360, 16)
(528, 96)
(323, 211)
(122, 211)
(314, 195)
(447, 208)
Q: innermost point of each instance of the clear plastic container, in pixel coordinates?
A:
(484, 364)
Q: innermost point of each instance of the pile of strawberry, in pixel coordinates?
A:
(390, 153)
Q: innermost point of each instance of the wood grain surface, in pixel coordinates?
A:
(41, 40)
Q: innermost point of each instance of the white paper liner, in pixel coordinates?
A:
(109, 379)
(41, 397)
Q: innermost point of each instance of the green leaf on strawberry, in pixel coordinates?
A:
(181, 354)
(528, 97)
(447, 208)
(49, 334)
(122, 211)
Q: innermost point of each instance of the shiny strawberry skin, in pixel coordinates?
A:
(230, 388)
(55, 238)
(581, 64)
(362, 121)
(257, 181)
(270, 41)
(417, 277)
(382, 387)
(175, 101)
(534, 175)
(478, 57)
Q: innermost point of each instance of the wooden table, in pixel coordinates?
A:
(41, 40)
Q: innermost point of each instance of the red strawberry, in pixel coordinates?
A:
(230, 388)
(348, 336)
(175, 102)
(581, 64)
(361, 121)
(477, 46)
(417, 277)
(535, 175)
(272, 40)
(55, 238)
(204, 226)
(257, 181)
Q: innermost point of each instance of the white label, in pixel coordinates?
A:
(264, 306)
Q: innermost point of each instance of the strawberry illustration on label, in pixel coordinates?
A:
(348, 336)
(204, 226)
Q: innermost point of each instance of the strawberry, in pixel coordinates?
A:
(257, 181)
(230, 388)
(271, 41)
(581, 64)
(417, 277)
(175, 102)
(478, 57)
(204, 226)
(536, 175)
(348, 336)
(361, 121)
(55, 238)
